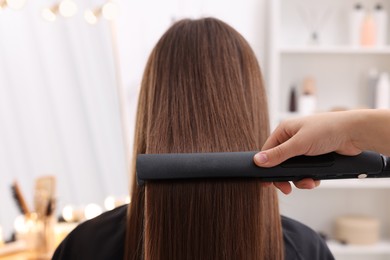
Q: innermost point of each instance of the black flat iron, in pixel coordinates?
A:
(153, 167)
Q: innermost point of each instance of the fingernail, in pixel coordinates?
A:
(261, 158)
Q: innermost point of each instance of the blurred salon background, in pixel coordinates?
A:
(70, 73)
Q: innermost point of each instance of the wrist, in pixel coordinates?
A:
(360, 127)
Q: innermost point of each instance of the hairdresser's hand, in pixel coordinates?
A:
(312, 135)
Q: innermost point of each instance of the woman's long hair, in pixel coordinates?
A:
(202, 91)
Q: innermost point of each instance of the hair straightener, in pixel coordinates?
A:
(182, 166)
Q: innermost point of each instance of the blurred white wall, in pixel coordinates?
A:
(142, 23)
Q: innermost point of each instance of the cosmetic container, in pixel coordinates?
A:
(357, 230)
(307, 104)
(292, 106)
(45, 236)
(368, 30)
(382, 99)
(372, 81)
(380, 18)
(355, 24)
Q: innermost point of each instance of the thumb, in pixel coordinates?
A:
(278, 154)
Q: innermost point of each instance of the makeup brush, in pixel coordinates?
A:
(50, 207)
(19, 198)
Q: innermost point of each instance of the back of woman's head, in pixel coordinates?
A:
(202, 91)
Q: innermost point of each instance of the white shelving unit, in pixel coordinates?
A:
(341, 76)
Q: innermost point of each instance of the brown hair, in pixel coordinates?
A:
(202, 91)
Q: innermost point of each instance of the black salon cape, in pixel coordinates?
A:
(103, 238)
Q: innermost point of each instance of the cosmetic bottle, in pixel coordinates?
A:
(368, 30)
(380, 18)
(307, 101)
(382, 99)
(372, 81)
(292, 106)
(355, 24)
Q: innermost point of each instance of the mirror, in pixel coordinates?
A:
(60, 110)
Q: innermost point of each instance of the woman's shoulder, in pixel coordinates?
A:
(98, 238)
(301, 242)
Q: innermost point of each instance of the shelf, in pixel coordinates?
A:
(333, 50)
(379, 183)
(382, 247)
